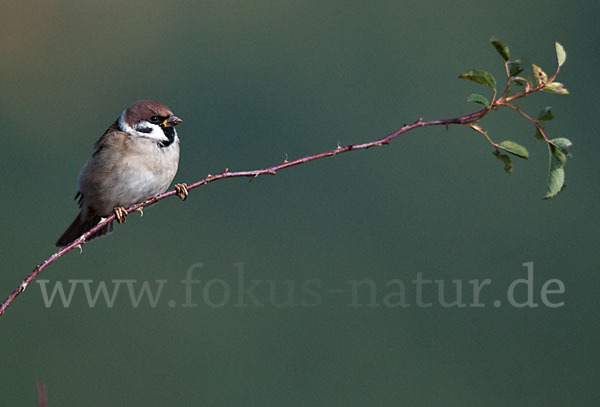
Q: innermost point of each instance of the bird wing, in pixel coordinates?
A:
(108, 139)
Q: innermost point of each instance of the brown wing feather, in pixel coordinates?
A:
(106, 137)
(113, 140)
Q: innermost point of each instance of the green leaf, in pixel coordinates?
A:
(559, 156)
(482, 77)
(514, 68)
(540, 75)
(556, 174)
(561, 55)
(538, 135)
(508, 166)
(514, 148)
(562, 143)
(556, 182)
(477, 98)
(556, 87)
(501, 47)
(546, 114)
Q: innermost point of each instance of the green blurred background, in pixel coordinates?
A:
(254, 81)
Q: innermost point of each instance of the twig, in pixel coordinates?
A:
(469, 120)
(535, 122)
(77, 243)
(42, 394)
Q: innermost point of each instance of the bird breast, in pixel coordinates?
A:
(126, 170)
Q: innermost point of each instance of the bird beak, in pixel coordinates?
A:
(172, 121)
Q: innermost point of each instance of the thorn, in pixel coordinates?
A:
(447, 126)
(80, 248)
(254, 176)
(140, 210)
(338, 146)
(285, 160)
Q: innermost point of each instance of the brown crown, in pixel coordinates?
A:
(144, 110)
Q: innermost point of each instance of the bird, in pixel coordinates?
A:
(134, 160)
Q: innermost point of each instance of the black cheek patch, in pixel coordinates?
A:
(169, 134)
(142, 129)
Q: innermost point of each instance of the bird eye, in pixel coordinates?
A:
(155, 119)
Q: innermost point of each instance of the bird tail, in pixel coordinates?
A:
(80, 226)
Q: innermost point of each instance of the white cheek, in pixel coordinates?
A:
(155, 134)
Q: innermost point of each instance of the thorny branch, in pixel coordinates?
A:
(470, 120)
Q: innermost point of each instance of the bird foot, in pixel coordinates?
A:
(182, 191)
(120, 214)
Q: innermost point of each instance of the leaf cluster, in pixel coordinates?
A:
(558, 147)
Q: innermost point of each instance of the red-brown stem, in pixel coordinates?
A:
(484, 134)
(470, 118)
(42, 394)
(531, 119)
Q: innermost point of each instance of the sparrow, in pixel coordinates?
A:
(135, 159)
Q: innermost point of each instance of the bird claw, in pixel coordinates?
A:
(182, 191)
(120, 214)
